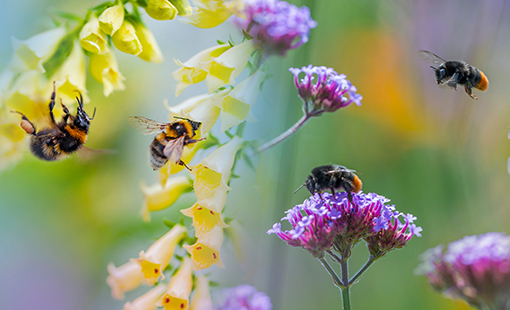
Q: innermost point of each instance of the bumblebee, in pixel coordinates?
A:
(62, 138)
(456, 72)
(332, 177)
(170, 140)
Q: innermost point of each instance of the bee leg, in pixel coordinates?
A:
(25, 124)
(66, 111)
(320, 195)
(333, 192)
(349, 196)
(183, 164)
(52, 103)
(469, 92)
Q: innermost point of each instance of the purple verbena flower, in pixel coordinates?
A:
(242, 297)
(324, 90)
(280, 25)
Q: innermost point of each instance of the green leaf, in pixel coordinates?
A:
(234, 176)
(229, 135)
(220, 42)
(142, 3)
(248, 161)
(64, 49)
(246, 35)
(67, 15)
(178, 257)
(213, 284)
(252, 68)
(240, 129)
(169, 224)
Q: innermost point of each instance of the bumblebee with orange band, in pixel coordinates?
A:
(456, 72)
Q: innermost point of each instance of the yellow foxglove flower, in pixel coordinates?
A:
(125, 39)
(70, 77)
(206, 251)
(10, 151)
(124, 278)
(111, 19)
(147, 301)
(150, 48)
(191, 71)
(202, 298)
(212, 173)
(92, 38)
(182, 6)
(158, 197)
(208, 13)
(201, 108)
(157, 257)
(161, 9)
(179, 288)
(30, 54)
(105, 70)
(204, 220)
(225, 68)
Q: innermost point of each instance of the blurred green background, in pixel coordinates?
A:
(435, 152)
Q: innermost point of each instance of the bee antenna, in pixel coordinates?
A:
(299, 188)
(93, 114)
(180, 117)
(434, 68)
(80, 100)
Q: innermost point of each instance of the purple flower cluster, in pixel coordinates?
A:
(474, 268)
(279, 24)
(324, 90)
(319, 224)
(242, 297)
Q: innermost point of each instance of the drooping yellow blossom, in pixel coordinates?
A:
(182, 6)
(191, 71)
(225, 68)
(92, 38)
(157, 257)
(150, 48)
(111, 19)
(237, 234)
(30, 54)
(202, 297)
(212, 174)
(201, 108)
(70, 77)
(125, 39)
(124, 278)
(147, 301)
(158, 197)
(206, 251)
(161, 9)
(209, 13)
(179, 288)
(105, 70)
(204, 220)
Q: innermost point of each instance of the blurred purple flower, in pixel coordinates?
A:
(318, 224)
(280, 25)
(242, 297)
(474, 268)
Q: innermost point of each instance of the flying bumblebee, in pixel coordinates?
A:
(62, 138)
(332, 177)
(456, 72)
(170, 140)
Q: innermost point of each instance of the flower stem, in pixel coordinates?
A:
(346, 298)
(369, 263)
(286, 134)
(333, 274)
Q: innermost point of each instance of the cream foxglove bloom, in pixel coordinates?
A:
(161, 9)
(158, 197)
(150, 48)
(179, 288)
(208, 13)
(92, 38)
(204, 220)
(191, 71)
(157, 257)
(206, 251)
(202, 108)
(111, 19)
(125, 39)
(147, 301)
(212, 174)
(105, 70)
(202, 298)
(70, 77)
(124, 278)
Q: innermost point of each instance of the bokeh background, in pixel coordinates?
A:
(435, 152)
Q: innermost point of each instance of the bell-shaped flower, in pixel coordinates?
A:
(124, 278)
(179, 288)
(201, 108)
(204, 220)
(92, 38)
(161, 9)
(150, 48)
(126, 40)
(236, 232)
(159, 254)
(104, 69)
(147, 301)
(30, 54)
(183, 7)
(225, 68)
(71, 76)
(191, 72)
(158, 197)
(212, 174)
(111, 19)
(202, 298)
(206, 251)
(208, 13)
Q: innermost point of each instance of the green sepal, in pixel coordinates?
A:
(169, 224)
(246, 35)
(229, 135)
(142, 3)
(64, 49)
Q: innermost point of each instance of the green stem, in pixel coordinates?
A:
(369, 263)
(332, 273)
(346, 299)
(286, 134)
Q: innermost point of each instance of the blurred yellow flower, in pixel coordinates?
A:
(105, 70)
(111, 19)
(206, 251)
(191, 71)
(204, 220)
(92, 38)
(201, 108)
(202, 298)
(70, 77)
(158, 197)
(179, 288)
(157, 257)
(239, 238)
(150, 48)
(125, 39)
(147, 301)
(208, 13)
(161, 9)
(124, 278)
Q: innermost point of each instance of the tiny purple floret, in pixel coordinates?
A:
(242, 297)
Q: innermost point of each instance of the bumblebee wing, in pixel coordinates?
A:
(146, 125)
(431, 58)
(86, 153)
(451, 82)
(173, 149)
